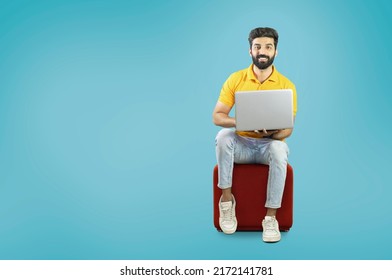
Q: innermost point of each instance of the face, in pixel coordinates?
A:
(263, 52)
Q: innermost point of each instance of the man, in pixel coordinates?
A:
(263, 147)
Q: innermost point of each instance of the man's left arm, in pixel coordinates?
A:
(282, 133)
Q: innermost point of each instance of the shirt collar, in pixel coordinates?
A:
(272, 78)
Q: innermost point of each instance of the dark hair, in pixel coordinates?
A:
(263, 32)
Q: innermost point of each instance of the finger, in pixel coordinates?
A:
(265, 131)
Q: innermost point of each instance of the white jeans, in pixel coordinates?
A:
(232, 148)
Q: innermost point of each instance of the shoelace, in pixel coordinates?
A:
(270, 225)
(227, 214)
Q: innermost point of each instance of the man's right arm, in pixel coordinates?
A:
(221, 117)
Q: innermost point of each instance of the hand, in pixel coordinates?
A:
(266, 133)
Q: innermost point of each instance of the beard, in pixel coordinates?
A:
(264, 64)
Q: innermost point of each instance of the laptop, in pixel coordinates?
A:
(264, 109)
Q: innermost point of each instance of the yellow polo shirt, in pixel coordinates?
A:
(246, 80)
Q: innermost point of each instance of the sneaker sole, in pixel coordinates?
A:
(228, 232)
(271, 239)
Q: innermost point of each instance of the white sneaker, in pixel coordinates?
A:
(271, 231)
(227, 219)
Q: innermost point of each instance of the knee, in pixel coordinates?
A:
(278, 151)
(225, 138)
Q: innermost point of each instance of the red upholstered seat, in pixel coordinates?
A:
(249, 189)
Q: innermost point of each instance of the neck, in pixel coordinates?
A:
(262, 75)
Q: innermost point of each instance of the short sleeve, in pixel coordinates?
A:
(227, 92)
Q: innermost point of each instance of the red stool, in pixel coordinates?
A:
(250, 189)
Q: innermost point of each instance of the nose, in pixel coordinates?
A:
(262, 51)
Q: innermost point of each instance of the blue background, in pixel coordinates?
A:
(107, 142)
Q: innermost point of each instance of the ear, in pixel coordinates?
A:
(276, 53)
(250, 52)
